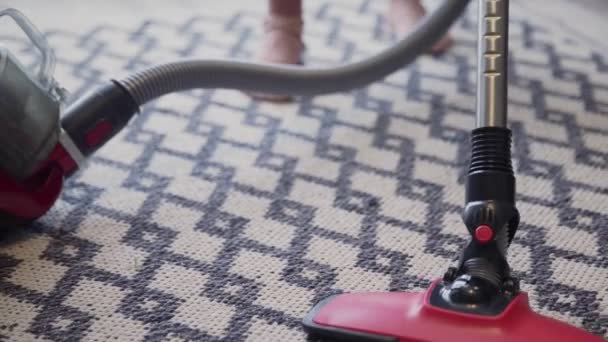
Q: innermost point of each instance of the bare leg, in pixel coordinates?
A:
(286, 8)
(403, 15)
(282, 38)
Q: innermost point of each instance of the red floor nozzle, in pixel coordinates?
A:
(409, 317)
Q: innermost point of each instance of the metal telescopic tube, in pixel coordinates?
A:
(492, 59)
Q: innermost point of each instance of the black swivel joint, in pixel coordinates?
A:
(490, 186)
(482, 282)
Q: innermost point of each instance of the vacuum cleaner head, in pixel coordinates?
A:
(410, 317)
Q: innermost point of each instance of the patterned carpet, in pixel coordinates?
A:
(218, 218)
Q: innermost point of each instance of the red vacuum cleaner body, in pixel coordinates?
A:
(22, 201)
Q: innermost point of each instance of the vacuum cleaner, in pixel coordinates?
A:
(42, 143)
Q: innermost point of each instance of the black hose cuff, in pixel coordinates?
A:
(97, 117)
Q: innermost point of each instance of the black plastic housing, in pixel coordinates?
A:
(490, 183)
(109, 105)
(482, 283)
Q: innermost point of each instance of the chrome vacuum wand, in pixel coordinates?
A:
(492, 58)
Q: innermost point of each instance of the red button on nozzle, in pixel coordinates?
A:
(483, 233)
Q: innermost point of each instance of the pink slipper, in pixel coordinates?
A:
(404, 15)
(281, 43)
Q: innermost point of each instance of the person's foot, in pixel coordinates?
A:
(404, 15)
(281, 43)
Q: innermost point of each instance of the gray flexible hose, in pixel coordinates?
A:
(160, 80)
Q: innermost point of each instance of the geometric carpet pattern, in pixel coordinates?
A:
(214, 217)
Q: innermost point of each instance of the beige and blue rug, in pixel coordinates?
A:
(218, 218)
